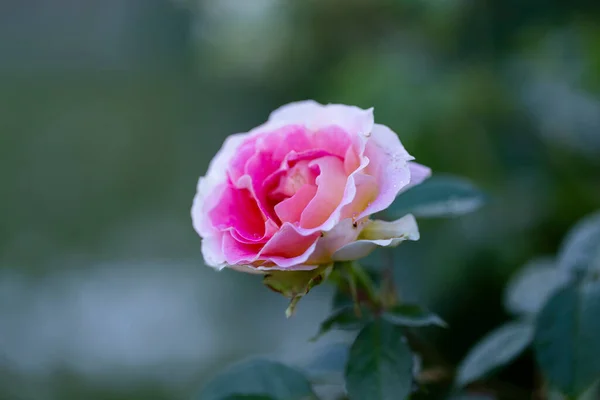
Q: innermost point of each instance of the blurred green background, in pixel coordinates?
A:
(111, 110)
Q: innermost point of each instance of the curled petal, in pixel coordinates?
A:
(379, 233)
(388, 164)
(331, 184)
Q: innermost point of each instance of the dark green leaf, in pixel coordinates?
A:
(567, 338)
(248, 397)
(344, 319)
(379, 364)
(496, 349)
(529, 289)
(412, 315)
(258, 377)
(439, 196)
(580, 252)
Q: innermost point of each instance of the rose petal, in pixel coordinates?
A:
(315, 116)
(367, 190)
(288, 247)
(333, 139)
(290, 210)
(343, 233)
(212, 252)
(379, 233)
(331, 184)
(236, 252)
(211, 184)
(388, 164)
(418, 173)
(237, 209)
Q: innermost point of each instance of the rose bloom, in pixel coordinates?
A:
(296, 193)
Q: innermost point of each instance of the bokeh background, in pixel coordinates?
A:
(111, 110)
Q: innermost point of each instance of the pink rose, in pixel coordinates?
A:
(297, 192)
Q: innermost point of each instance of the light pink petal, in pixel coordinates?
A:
(379, 233)
(290, 210)
(315, 116)
(418, 173)
(367, 191)
(331, 184)
(288, 247)
(333, 139)
(388, 164)
(293, 139)
(212, 250)
(353, 156)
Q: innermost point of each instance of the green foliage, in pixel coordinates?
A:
(412, 315)
(528, 291)
(580, 252)
(380, 364)
(496, 349)
(439, 196)
(557, 309)
(561, 307)
(567, 337)
(346, 319)
(258, 377)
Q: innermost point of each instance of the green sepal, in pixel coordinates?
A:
(295, 284)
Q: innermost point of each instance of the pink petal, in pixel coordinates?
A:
(388, 164)
(212, 182)
(333, 139)
(331, 184)
(288, 247)
(290, 210)
(236, 252)
(238, 209)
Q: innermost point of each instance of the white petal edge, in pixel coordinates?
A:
(314, 116)
(379, 233)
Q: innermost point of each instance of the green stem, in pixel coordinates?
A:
(365, 282)
(354, 293)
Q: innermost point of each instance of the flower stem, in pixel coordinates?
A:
(365, 282)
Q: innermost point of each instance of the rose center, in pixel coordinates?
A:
(296, 177)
